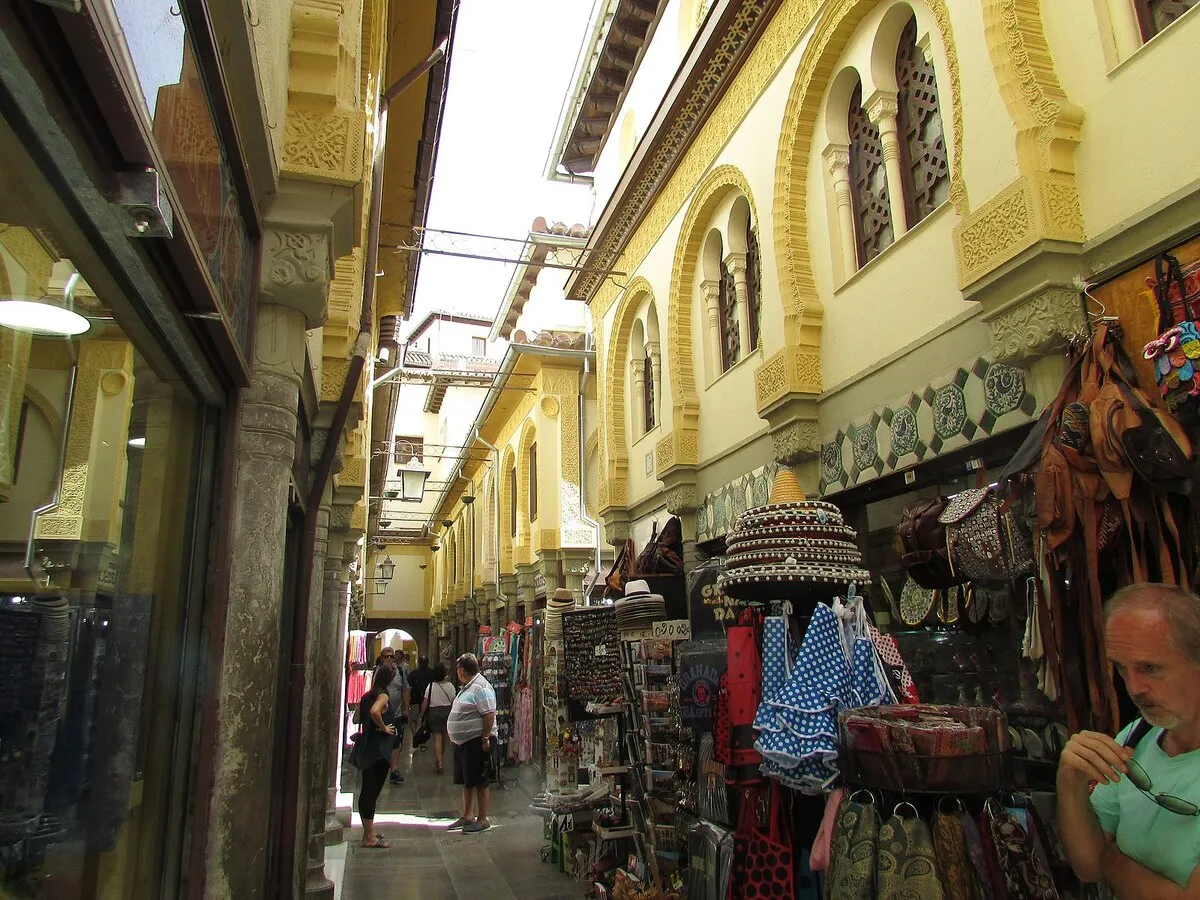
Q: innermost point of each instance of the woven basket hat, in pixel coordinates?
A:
(786, 488)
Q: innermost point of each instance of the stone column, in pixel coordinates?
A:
(637, 377)
(710, 290)
(654, 351)
(837, 160)
(882, 109)
(316, 724)
(736, 263)
(244, 759)
(337, 601)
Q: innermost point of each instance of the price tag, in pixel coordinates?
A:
(602, 650)
(673, 630)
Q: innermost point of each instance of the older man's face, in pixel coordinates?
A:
(1160, 679)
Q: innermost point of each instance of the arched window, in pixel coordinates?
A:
(648, 395)
(868, 183)
(753, 285)
(926, 167)
(727, 320)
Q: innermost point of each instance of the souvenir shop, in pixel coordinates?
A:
(867, 698)
(507, 661)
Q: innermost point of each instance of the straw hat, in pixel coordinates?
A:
(786, 489)
(563, 594)
(636, 588)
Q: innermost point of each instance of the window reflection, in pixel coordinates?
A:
(96, 484)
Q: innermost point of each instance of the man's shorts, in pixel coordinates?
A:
(468, 764)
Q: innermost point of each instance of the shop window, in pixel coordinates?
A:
(648, 396)
(727, 320)
(1155, 15)
(926, 167)
(91, 641)
(868, 183)
(408, 447)
(753, 285)
(533, 483)
(512, 502)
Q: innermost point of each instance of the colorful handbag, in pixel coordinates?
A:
(1175, 353)
(855, 847)
(986, 541)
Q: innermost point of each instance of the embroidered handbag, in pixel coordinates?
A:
(906, 868)
(855, 847)
(1175, 353)
(985, 540)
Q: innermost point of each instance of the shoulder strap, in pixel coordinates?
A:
(1140, 729)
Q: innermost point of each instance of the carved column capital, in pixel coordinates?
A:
(1035, 325)
(882, 108)
(736, 264)
(297, 266)
(837, 161)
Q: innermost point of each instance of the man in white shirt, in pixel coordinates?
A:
(471, 729)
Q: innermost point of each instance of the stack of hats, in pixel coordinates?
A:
(639, 609)
(562, 600)
(792, 544)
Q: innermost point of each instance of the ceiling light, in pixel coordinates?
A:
(48, 317)
(137, 442)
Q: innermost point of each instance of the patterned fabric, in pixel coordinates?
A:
(722, 729)
(855, 837)
(889, 651)
(744, 690)
(951, 847)
(977, 854)
(1025, 874)
(822, 848)
(906, 868)
(763, 865)
(866, 687)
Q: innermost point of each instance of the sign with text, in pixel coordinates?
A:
(673, 630)
(709, 609)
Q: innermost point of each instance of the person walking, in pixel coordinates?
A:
(471, 728)
(398, 699)
(418, 683)
(378, 732)
(435, 710)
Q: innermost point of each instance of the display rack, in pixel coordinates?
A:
(496, 666)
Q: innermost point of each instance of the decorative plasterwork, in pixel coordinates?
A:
(691, 142)
(296, 269)
(785, 373)
(802, 309)
(615, 445)
(1036, 326)
(324, 144)
(681, 498)
(1043, 203)
(1036, 207)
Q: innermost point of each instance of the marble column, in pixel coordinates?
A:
(837, 160)
(882, 109)
(710, 290)
(236, 862)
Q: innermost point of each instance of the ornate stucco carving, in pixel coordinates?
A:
(681, 498)
(296, 269)
(324, 144)
(1037, 325)
(1043, 203)
(795, 441)
(784, 373)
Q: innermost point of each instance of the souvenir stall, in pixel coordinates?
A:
(360, 666)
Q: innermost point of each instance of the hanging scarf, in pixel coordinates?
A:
(951, 847)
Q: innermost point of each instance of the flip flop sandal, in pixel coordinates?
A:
(378, 845)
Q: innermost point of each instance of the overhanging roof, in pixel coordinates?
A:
(543, 239)
(619, 34)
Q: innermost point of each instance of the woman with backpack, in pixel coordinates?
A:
(435, 710)
(373, 753)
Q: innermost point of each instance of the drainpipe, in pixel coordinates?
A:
(322, 473)
(583, 514)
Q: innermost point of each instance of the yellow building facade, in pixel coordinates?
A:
(860, 231)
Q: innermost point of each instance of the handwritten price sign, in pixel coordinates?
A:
(673, 630)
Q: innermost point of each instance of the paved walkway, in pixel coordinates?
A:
(426, 862)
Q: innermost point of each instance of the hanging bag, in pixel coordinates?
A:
(1175, 353)
(907, 864)
(621, 571)
(984, 539)
(855, 847)
(923, 537)
(763, 866)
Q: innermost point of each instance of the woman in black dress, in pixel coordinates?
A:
(378, 731)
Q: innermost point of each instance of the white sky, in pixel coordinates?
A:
(511, 69)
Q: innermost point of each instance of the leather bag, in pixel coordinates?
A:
(926, 557)
(986, 541)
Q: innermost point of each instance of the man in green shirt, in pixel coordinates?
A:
(1139, 829)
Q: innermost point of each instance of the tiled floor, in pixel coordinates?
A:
(426, 862)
